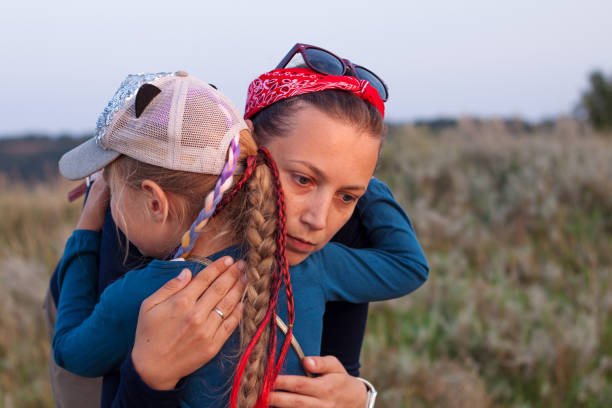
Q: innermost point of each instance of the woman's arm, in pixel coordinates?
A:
(394, 266)
(381, 223)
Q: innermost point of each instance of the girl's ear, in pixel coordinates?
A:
(156, 201)
(249, 123)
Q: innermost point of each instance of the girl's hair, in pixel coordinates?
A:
(252, 213)
(189, 187)
(277, 119)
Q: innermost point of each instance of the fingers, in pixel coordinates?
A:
(228, 325)
(290, 400)
(99, 190)
(169, 289)
(206, 277)
(94, 211)
(218, 290)
(229, 301)
(328, 390)
(323, 365)
(298, 384)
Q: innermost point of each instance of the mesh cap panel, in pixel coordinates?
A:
(188, 126)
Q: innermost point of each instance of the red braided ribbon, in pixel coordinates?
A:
(251, 163)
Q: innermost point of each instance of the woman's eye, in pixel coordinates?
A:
(347, 198)
(301, 180)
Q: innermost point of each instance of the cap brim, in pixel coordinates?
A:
(85, 159)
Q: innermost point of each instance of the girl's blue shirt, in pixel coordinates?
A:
(92, 338)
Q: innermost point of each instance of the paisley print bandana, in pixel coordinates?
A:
(284, 83)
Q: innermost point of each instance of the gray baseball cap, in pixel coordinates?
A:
(171, 120)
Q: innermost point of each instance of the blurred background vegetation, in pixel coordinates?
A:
(516, 222)
(596, 103)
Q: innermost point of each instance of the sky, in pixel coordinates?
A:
(63, 60)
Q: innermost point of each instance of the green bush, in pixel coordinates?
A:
(597, 101)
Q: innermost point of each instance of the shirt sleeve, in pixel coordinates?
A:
(88, 340)
(394, 266)
(133, 392)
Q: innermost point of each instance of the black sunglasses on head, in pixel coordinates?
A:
(325, 62)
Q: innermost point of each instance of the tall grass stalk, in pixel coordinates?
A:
(517, 311)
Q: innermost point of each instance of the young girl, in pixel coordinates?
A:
(83, 341)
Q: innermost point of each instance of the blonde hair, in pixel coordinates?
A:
(252, 214)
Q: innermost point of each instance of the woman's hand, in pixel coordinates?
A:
(333, 388)
(94, 211)
(178, 328)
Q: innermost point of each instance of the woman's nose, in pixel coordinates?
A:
(316, 213)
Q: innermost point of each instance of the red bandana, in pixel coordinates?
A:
(284, 83)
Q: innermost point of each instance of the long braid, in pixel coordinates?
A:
(251, 162)
(282, 262)
(253, 388)
(262, 265)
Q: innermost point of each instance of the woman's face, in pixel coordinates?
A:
(325, 165)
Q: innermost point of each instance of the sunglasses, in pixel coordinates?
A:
(324, 62)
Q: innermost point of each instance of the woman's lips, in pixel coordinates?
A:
(299, 245)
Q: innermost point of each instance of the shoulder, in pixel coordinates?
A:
(376, 190)
(125, 295)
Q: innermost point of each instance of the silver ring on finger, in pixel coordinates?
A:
(220, 313)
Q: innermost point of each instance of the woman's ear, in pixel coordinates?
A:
(249, 123)
(156, 201)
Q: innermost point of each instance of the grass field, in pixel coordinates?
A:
(517, 228)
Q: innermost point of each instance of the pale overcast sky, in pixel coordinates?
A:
(62, 60)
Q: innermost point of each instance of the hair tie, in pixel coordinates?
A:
(224, 182)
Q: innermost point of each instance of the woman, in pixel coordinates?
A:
(335, 387)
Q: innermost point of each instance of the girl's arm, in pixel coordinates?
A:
(394, 266)
(87, 338)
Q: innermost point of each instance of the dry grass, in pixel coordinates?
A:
(518, 232)
(34, 225)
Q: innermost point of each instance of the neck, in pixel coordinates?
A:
(212, 239)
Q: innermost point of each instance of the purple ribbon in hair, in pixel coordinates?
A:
(228, 171)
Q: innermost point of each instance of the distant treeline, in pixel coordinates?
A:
(34, 158)
(512, 125)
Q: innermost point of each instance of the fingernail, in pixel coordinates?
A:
(310, 361)
(183, 275)
(228, 261)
